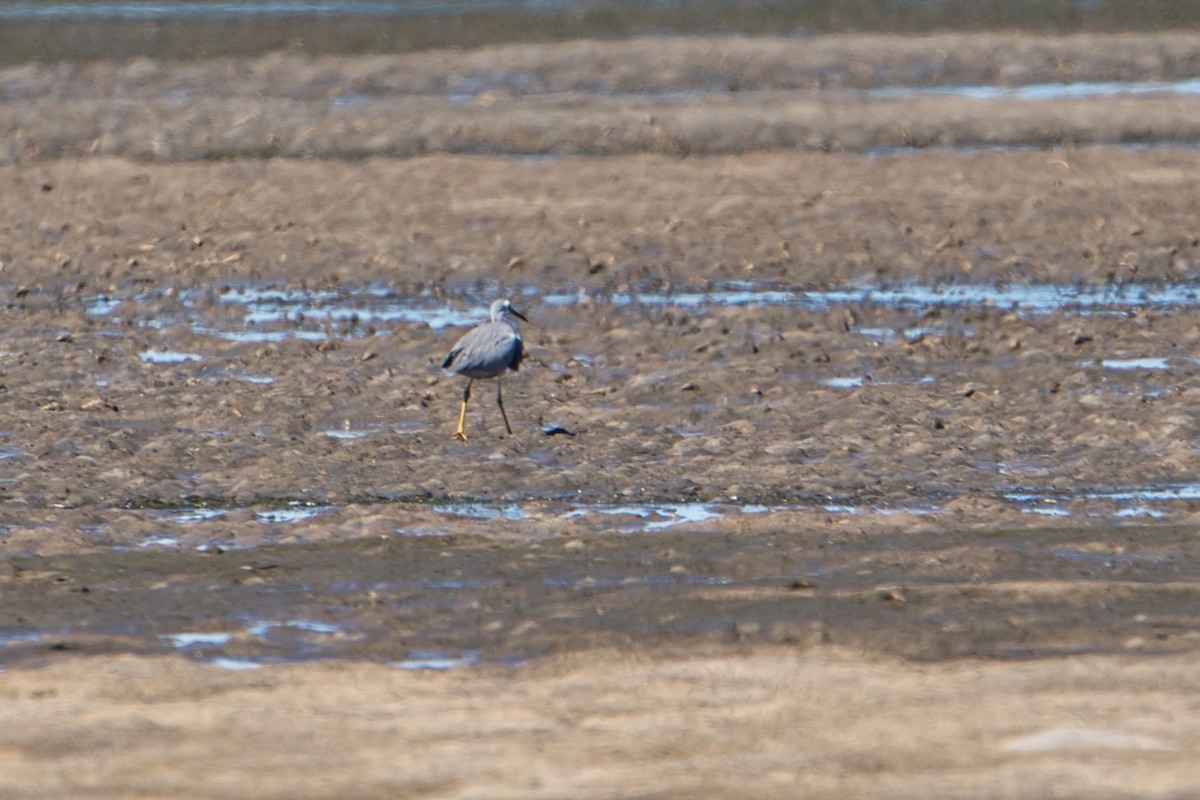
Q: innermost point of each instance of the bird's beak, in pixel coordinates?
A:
(518, 314)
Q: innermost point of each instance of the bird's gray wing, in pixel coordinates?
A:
(485, 352)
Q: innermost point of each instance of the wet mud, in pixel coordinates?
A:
(455, 599)
(903, 407)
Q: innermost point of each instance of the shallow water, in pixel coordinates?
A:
(534, 519)
(270, 313)
(1033, 92)
(1042, 92)
(294, 512)
(169, 356)
(421, 604)
(117, 29)
(1092, 503)
(435, 660)
(277, 640)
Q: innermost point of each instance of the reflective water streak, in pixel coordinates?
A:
(148, 11)
(434, 660)
(1043, 91)
(275, 314)
(1121, 502)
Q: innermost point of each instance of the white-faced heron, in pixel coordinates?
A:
(486, 352)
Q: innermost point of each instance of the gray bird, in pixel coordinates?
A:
(486, 352)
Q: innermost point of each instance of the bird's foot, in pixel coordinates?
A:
(459, 436)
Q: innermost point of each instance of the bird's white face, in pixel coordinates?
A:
(501, 308)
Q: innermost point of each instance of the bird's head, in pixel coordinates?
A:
(504, 307)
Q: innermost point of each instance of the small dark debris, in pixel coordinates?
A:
(554, 430)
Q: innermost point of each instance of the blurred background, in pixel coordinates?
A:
(99, 29)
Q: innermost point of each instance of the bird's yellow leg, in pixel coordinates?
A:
(500, 402)
(459, 434)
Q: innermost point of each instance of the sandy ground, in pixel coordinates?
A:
(747, 724)
(865, 610)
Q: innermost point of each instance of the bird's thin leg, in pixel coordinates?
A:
(500, 402)
(462, 414)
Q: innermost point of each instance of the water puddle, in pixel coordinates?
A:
(1032, 92)
(168, 356)
(671, 579)
(1150, 503)
(511, 20)
(1118, 503)
(185, 526)
(1081, 90)
(734, 294)
(686, 433)
(184, 516)
(236, 664)
(296, 511)
(912, 334)
(434, 660)
(137, 11)
(287, 640)
(859, 381)
(159, 541)
(1027, 298)
(261, 629)
(349, 433)
(247, 377)
(1084, 740)
(271, 314)
(421, 533)
(213, 528)
(345, 434)
(460, 585)
(190, 641)
(635, 518)
(20, 637)
(374, 305)
(1150, 363)
(250, 336)
(483, 511)
(651, 517)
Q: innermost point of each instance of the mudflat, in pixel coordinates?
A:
(784, 511)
